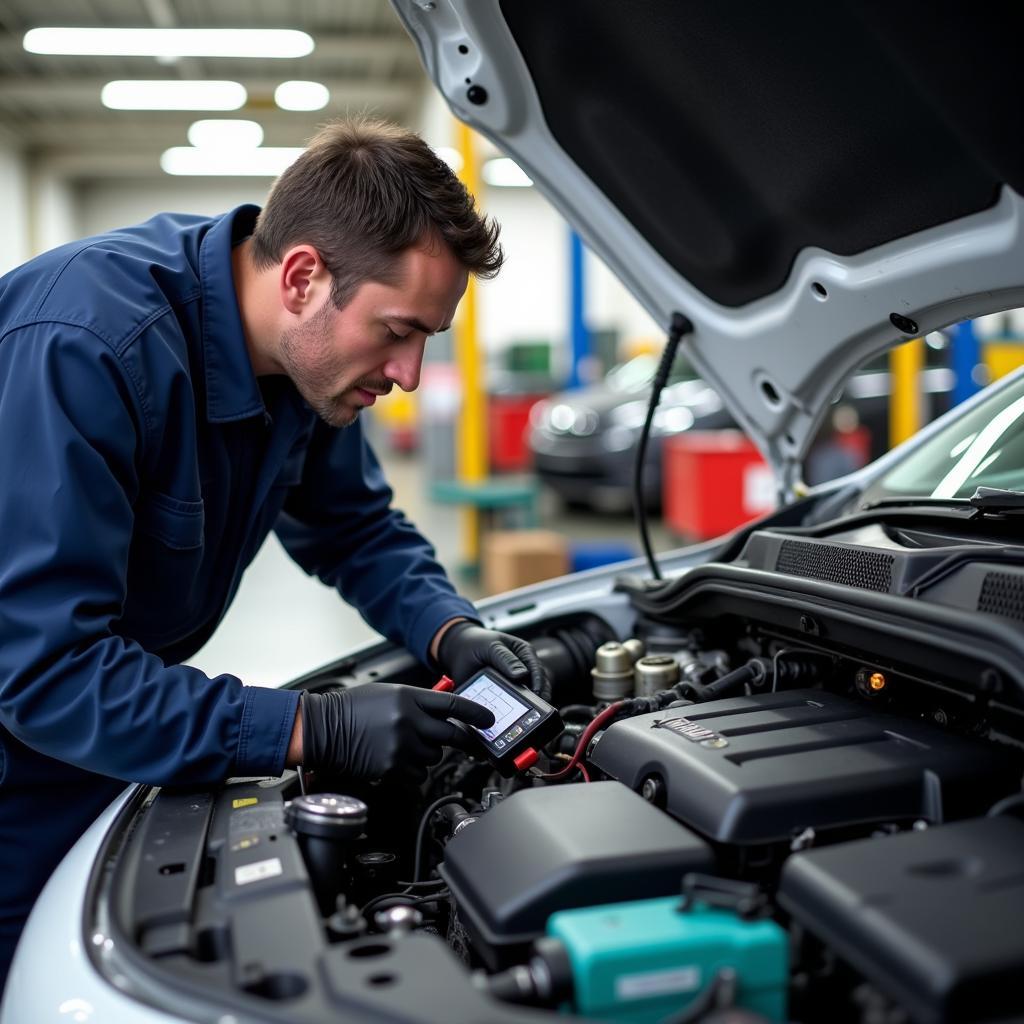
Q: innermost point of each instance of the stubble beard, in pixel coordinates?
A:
(303, 355)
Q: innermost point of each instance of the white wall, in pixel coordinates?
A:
(54, 211)
(610, 305)
(111, 203)
(14, 197)
(530, 298)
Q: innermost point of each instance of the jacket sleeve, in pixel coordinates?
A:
(338, 524)
(72, 429)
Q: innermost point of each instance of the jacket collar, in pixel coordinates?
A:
(232, 392)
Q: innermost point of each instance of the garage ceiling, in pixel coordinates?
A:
(50, 105)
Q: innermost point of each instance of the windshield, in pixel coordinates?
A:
(638, 373)
(983, 448)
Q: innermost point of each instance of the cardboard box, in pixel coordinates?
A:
(514, 558)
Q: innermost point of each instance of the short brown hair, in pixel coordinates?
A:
(364, 191)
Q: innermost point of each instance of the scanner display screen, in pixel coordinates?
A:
(523, 721)
(506, 708)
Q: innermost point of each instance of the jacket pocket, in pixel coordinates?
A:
(176, 523)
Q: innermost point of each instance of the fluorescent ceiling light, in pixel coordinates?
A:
(505, 173)
(302, 96)
(265, 162)
(223, 133)
(174, 94)
(452, 157)
(169, 42)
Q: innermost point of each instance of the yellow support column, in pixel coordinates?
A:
(471, 456)
(905, 365)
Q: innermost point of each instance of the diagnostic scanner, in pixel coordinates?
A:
(523, 722)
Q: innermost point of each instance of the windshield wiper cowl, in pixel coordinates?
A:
(997, 499)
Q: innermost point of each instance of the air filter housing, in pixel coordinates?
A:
(932, 918)
(558, 848)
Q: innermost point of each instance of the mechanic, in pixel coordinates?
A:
(171, 392)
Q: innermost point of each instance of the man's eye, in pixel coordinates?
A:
(392, 336)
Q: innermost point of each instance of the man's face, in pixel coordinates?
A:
(341, 360)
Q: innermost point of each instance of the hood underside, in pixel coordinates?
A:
(808, 183)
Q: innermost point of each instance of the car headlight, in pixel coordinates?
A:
(570, 419)
(673, 420)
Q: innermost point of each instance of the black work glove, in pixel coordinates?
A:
(467, 647)
(384, 729)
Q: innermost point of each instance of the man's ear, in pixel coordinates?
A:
(304, 280)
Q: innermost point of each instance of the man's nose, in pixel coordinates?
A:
(405, 365)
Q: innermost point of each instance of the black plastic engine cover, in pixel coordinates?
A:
(931, 918)
(761, 769)
(544, 850)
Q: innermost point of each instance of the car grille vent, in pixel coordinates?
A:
(869, 570)
(1002, 593)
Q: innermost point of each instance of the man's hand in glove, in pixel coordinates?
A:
(466, 647)
(383, 729)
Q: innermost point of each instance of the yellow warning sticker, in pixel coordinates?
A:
(244, 801)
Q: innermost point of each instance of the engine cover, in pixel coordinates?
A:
(558, 848)
(932, 918)
(762, 769)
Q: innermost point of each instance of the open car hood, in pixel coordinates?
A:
(809, 184)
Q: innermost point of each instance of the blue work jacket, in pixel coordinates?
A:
(142, 465)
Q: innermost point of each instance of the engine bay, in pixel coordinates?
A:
(779, 794)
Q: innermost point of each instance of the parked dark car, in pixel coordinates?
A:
(583, 442)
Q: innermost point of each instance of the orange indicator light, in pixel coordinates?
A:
(877, 681)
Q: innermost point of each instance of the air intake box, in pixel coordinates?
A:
(558, 848)
(756, 770)
(931, 918)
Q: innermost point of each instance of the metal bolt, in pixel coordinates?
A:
(398, 919)
(653, 789)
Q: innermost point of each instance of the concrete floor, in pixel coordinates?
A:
(284, 623)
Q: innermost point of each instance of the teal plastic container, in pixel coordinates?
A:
(636, 963)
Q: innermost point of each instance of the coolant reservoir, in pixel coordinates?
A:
(654, 673)
(646, 961)
(613, 669)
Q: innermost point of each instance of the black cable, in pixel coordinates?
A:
(680, 325)
(1008, 803)
(719, 995)
(404, 898)
(796, 669)
(571, 710)
(453, 798)
(753, 671)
